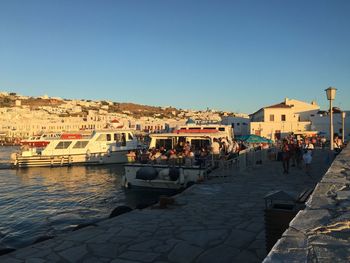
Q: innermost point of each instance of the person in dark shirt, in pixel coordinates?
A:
(285, 156)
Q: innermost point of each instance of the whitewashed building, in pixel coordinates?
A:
(276, 121)
(240, 125)
(320, 122)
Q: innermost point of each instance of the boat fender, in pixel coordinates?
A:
(164, 174)
(146, 173)
(88, 154)
(13, 156)
(174, 174)
(125, 183)
(182, 176)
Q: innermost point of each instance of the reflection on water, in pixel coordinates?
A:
(48, 201)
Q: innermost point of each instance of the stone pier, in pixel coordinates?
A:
(219, 220)
(321, 232)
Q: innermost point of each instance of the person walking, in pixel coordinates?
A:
(292, 148)
(337, 145)
(215, 150)
(298, 153)
(323, 141)
(307, 156)
(285, 156)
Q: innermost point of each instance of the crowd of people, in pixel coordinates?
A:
(298, 151)
(185, 153)
(294, 151)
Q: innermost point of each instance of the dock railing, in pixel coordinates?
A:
(255, 156)
(246, 158)
(234, 162)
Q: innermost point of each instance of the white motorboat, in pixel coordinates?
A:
(176, 173)
(102, 147)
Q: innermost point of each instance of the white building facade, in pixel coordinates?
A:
(276, 121)
(320, 122)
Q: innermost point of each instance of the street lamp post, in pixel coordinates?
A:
(343, 114)
(331, 96)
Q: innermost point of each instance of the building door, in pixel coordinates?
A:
(277, 134)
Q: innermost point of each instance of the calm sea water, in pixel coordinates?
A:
(36, 202)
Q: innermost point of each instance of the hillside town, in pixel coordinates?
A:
(24, 116)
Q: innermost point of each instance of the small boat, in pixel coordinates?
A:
(101, 147)
(176, 173)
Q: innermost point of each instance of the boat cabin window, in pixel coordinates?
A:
(199, 143)
(222, 129)
(209, 128)
(63, 145)
(123, 139)
(116, 137)
(130, 137)
(166, 143)
(180, 143)
(120, 139)
(80, 144)
(102, 137)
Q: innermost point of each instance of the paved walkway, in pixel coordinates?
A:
(321, 232)
(220, 220)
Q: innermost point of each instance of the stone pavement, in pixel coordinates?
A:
(220, 220)
(321, 232)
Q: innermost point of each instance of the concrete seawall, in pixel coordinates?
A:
(321, 232)
(220, 220)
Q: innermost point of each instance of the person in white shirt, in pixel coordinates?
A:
(337, 145)
(215, 147)
(307, 156)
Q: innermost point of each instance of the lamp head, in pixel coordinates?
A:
(331, 91)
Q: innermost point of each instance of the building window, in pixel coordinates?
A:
(283, 117)
(272, 117)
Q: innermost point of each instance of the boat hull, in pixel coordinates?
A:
(116, 157)
(188, 175)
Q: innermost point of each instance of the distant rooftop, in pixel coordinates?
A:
(279, 105)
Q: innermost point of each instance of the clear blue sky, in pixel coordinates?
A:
(229, 55)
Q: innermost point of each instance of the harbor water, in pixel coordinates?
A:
(37, 202)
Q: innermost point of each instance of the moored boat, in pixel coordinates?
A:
(172, 171)
(101, 147)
